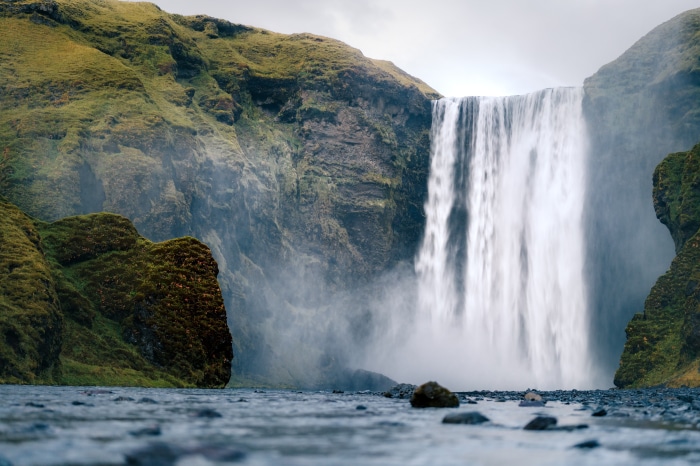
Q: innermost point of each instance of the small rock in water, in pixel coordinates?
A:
(96, 392)
(123, 398)
(587, 444)
(338, 391)
(31, 404)
(162, 454)
(361, 408)
(149, 401)
(150, 431)
(531, 404)
(206, 413)
(600, 413)
(471, 417)
(402, 390)
(432, 395)
(541, 423)
(80, 403)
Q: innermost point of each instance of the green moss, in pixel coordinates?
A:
(664, 340)
(135, 307)
(30, 318)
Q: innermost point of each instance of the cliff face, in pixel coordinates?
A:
(299, 161)
(88, 301)
(663, 342)
(639, 108)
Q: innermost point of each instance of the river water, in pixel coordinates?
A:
(117, 426)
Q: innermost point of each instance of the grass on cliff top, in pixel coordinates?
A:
(308, 57)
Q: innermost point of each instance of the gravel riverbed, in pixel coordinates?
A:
(133, 426)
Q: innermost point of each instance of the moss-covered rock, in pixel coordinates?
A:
(87, 301)
(299, 161)
(31, 323)
(663, 342)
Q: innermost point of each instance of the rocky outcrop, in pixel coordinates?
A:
(663, 341)
(88, 301)
(639, 108)
(300, 162)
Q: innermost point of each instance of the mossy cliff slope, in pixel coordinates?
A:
(299, 161)
(663, 342)
(86, 300)
(640, 107)
(30, 314)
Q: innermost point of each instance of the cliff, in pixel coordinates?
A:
(88, 301)
(663, 342)
(640, 107)
(301, 163)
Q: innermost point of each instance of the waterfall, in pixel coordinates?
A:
(501, 285)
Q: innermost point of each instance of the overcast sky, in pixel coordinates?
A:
(464, 47)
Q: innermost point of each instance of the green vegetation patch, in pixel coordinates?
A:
(663, 342)
(30, 317)
(136, 309)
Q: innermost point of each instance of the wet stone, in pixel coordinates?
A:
(471, 418)
(361, 408)
(123, 398)
(31, 404)
(588, 444)
(150, 431)
(433, 395)
(541, 423)
(163, 454)
(206, 413)
(149, 401)
(531, 404)
(599, 413)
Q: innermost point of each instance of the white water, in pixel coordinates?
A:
(501, 293)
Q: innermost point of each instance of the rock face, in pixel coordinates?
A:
(87, 300)
(663, 342)
(642, 106)
(299, 161)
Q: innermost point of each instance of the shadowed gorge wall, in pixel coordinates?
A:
(663, 341)
(300, 162)
(639, 108)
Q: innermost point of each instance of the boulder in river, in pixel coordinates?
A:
(433, 395)
(470, 417)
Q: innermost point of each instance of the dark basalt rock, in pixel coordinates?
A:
(541, 423)
(432, 395)
(472, 417)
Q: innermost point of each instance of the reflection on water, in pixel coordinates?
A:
(117, 426)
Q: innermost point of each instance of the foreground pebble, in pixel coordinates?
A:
(471, 417)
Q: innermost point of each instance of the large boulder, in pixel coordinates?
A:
(433, 395)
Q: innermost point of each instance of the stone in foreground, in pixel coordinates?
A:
(433, 395)
(471, 418)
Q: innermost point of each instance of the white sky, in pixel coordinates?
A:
(464, 47)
